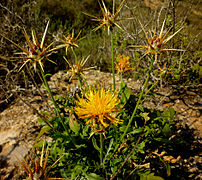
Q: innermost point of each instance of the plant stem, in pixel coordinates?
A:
(137, 142)
(114, 175)
(80, 82)
(113, 65)
(57, 111)
(121, 77)
(138, 102)
(101, 148)
(74, 54)
(140, 97)
(84, 79)
(154, 84)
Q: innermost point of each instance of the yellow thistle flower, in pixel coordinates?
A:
(98, 105)
(36, 52)
(110, 19)
(122, 63)
(77, 69)
(157, 41)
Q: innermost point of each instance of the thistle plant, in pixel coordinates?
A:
(100, 115)
(70, 41)
(34, 55)
(99, 106)
(157, 41)
(122, 64)
(77, 70)
(153, 48)
(39, 169)
(109, 21)
(36, 52)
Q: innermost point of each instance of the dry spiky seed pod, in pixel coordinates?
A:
(157, 41)
(36, 52)
(109, 19)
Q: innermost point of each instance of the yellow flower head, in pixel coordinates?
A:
(122, 64)
(36, 52)
(109, 19)
(157, 41)
(98, 105)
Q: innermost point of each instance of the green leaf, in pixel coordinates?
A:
(122, 128)
(150, 177)
(140, 147)
(41, 121)
(166, 130)
(93, 176)
(141, 107)
(168, 169)
(109, 149)
(43, 130)
(145, 116)
(77, 170)
(48, 75)
(74, 125)
(39, 144)
(172, 113)
(136, 131)
(125, 92)
(95, 144)
(58, 98)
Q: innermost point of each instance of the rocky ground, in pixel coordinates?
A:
(19, 126)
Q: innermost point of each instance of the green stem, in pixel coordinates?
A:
(84, 79)
(140, 97)
(121, 77)
(74, 55)
(154, 84)
(101, 148)
(138, 102)
(113, 65)
(80, 82)
(57, 111)
(121, 82)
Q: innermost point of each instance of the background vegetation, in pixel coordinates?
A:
(67, 15)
